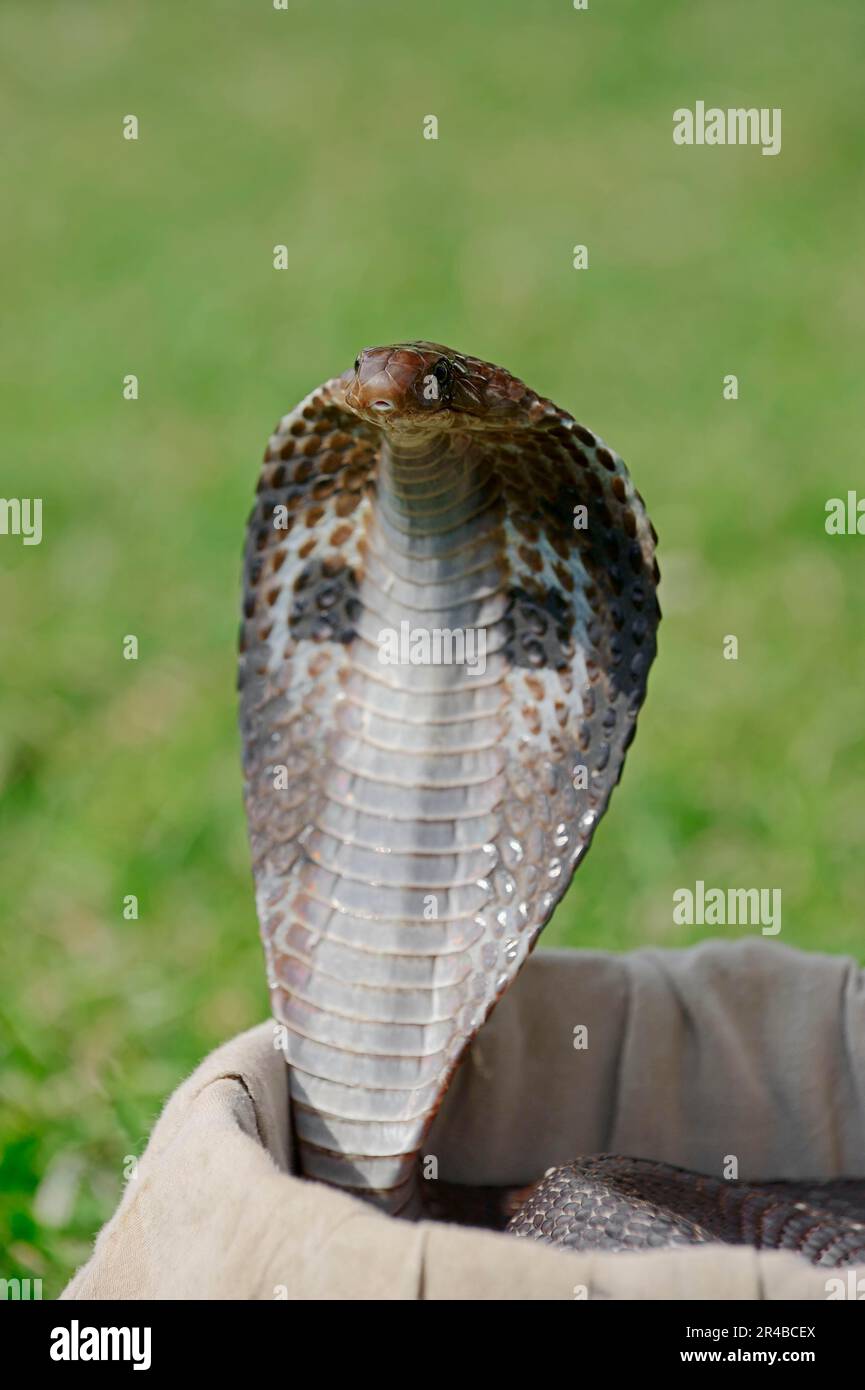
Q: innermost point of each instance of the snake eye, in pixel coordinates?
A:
(442, 372)
(357, 363)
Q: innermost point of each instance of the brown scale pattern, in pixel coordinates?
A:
(612, 1203)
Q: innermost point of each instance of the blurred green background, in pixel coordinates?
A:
(304, 127)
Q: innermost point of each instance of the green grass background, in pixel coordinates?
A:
(303, 127)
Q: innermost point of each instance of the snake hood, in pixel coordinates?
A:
(413, 825)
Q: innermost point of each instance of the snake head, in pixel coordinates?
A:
(422, 386)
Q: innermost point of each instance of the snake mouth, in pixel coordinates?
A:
(382, 406)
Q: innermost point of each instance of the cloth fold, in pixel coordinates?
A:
(741, 1051)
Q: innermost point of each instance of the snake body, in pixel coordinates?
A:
(414, 822)
(611, 1203)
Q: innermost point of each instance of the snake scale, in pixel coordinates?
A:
(414, 822)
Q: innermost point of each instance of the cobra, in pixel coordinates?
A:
(413, 825)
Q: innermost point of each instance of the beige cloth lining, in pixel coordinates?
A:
(746, 1048)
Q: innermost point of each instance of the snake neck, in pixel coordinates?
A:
(432, 485)
(407, 825)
